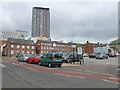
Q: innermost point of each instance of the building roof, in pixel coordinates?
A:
(41, 8)
(20, 41)
(57, 42)
(100, 45)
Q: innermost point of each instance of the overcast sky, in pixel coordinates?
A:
(69, 21)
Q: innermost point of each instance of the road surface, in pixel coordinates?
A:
(93, 74)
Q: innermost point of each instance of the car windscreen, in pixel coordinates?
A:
(58, 56)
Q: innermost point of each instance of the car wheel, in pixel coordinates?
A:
(59, 65)
(49, 65)
(28, 61)
(40, 63)
(18, 60)
(68, 61)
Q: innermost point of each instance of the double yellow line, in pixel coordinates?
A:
(90, 71)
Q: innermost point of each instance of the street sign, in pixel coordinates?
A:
(79, 49)
(54, 44)
(78, 45)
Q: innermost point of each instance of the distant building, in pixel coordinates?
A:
(4, 35)
(40, 22)
(88, 47)
(2, 44)
(102, 48)
(15, 46)
(44, 46)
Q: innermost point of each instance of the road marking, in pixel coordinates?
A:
(79, 77)
(100, 73)
(59, 74)
(31, 69)
(15, 64)
(73, 69)
(2, 65)
(69, 75)
(106, 80)
(90, 71)
(113, 78)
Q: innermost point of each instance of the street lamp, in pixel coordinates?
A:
(22, 42)
(73, 46)
(53, 45)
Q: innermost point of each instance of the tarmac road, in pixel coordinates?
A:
(23, 75)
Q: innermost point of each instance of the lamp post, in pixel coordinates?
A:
(73, 46)
(22, 42)
(53, 45)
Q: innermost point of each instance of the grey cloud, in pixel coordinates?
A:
(77, 22)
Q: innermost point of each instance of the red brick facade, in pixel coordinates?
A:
(11, 49)
(88, 47)
(43, 47)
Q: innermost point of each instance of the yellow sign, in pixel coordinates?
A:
(78, 45)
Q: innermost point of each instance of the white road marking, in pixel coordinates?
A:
(2, 65)
(59, 74)
(106, 80)
(15, 64)
(79, 77)
(113, 78)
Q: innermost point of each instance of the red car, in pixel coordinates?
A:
(34, 59)
(112, 55)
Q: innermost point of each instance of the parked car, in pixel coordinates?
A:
(85, 55)
(69, 57)
(34, 59)
(51, 59)
(101, 56)
(23, 57)
(112, 55)
(92, 55)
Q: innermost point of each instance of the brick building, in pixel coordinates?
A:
(2, 44)
(88, 47)
(44, 46)
(14, 46)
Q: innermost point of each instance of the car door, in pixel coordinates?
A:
(21, 58)
(42, 59)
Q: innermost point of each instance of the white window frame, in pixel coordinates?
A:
(12, 51)
(12, 46)
(32, 52)
(23, 46)
(28, 52)
(33, 47)
(23, 52)
(18, 46)
(28, 47)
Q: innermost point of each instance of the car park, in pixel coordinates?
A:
(71, 57)
(101, 56)
(51, 59)
(23, 57)
(34, 59)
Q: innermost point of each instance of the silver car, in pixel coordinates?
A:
(23, 57)
(101, 56)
